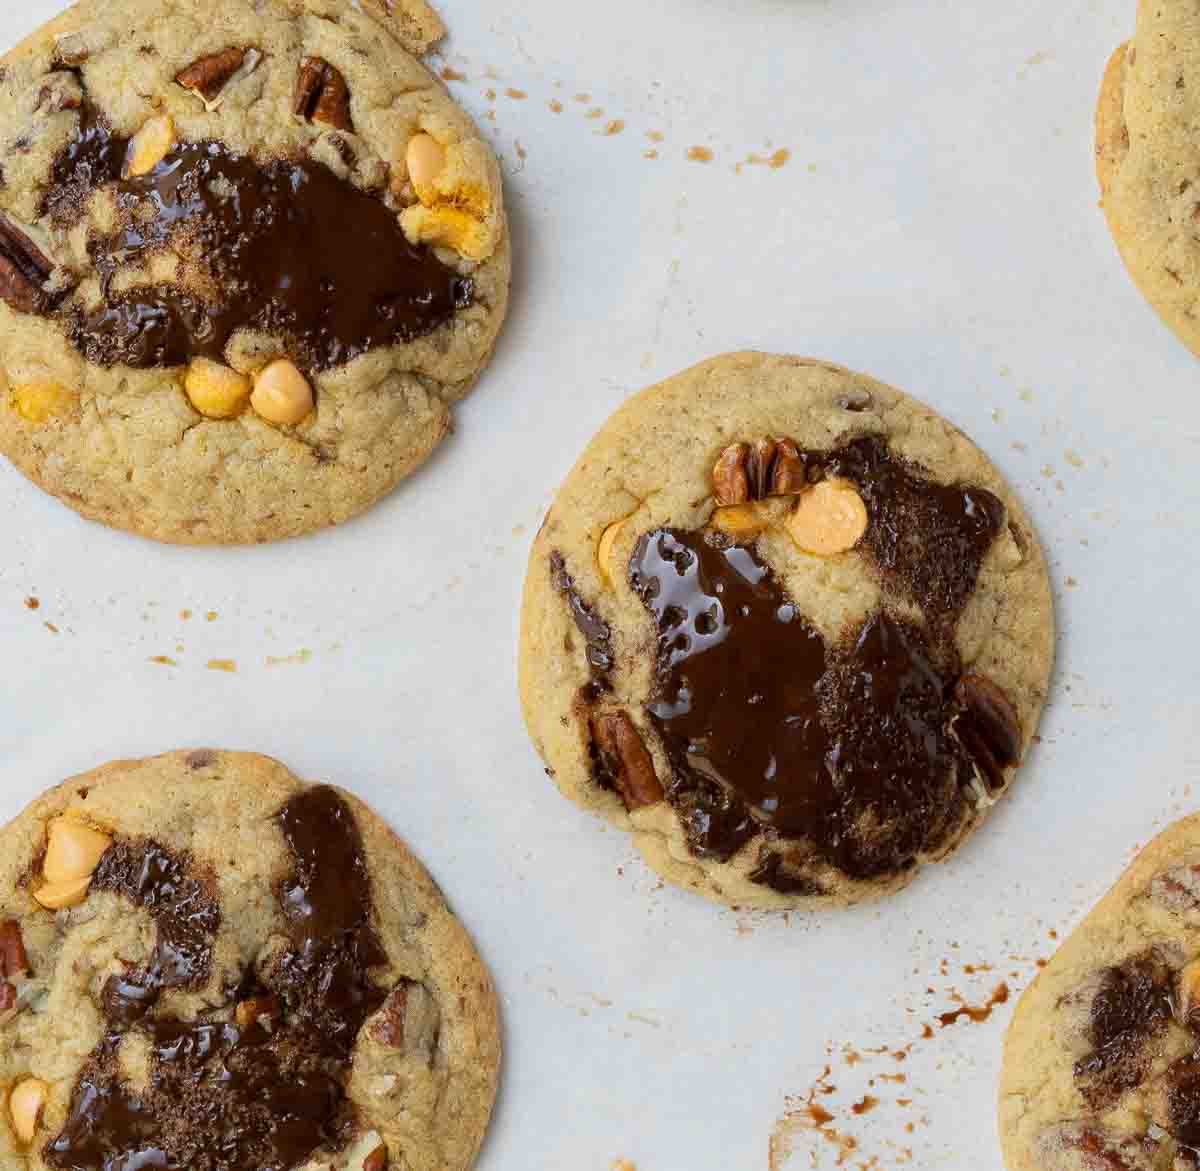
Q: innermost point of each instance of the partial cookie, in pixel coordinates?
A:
(787, 627)
(1147, 162)
(207, 963)
(1100, 1066)
(251, 253)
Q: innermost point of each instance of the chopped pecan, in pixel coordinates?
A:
(14, 962)
(8, 996)
(24, 269)
(760, 464)
(376, 1160)
(207, 75)
(769, 467)
(789, 476)
(989, 728)
(322, 95)
(730, 482)
(409, 1020)
(1087, 1146)
(626, 760)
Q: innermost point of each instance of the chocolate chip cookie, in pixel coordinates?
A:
(789, 628)
(251, 254)
(1147, 164)
(207, 963)
(1100, 1064)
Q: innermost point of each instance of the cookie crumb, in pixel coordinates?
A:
(163, 660)
(229, 665)
(517, 95)
(450, 74)
(556, 107)
(700, 154)
(50, 627)
(614, 127)
(623, 1165)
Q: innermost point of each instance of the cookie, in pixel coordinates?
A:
(1146, 161)
(251, 254)
(207, 963)
(788, 628)
(1100, 1066)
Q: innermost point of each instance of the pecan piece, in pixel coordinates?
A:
(1086, 1146)
(8, 996)
(409, 1020)
(626, 760)
(322, 95)
(13, 959)
(989, 728)
(760, 464)
(60, 91)
(789, 476)
(24, 269)
(730, 482)
(207, 75)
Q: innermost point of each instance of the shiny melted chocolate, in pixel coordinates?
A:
(284, 247)
(597, 634)
(221, 1097)
(847, 748)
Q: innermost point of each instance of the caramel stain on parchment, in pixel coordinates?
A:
(805, 1115)
(32, 604)
(228, 665)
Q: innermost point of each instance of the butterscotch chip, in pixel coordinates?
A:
(195, 190)
(830, 647)
(261, 968)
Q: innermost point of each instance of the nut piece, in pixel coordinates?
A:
(426, 159)
(42, 400)
(409, 1021)
(149, 146)
(730, 482)
(322, 95)
(369, 1153)
(207, 76)
(25, 1104)
(261, 1010)
(14, 961)
(989, 728)
(24, 268)
(73, 850)
(742, 522)
(625, 759)
(830, 518)
(604, 550)
(1187, 997)
(215, 390)
(281, 394)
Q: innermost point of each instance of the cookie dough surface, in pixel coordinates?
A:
(257, 974)
(1148, 162)
(778, 727)
(143, 294)
(1100, 1067)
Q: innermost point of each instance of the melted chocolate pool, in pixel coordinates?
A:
(221, 1097)
(284, 247)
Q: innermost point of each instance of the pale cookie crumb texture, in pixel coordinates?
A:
(1100, 1063)
(787, 627)
(229, 311)
(1147, 163)
(204, 957)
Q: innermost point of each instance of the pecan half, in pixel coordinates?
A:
(13, 959)
(24, 269)
(409, 1020)
(769, 467)
(989, 728)
(322, 95)
(626, 760)
(8, 996)
(207, 75)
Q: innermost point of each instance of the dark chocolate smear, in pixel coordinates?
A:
(849, 749)
(222, 1097)
(283, 246)
(1183, 1102)
(597, 634)
(1131, 1009)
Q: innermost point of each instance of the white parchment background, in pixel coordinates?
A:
(936, 225)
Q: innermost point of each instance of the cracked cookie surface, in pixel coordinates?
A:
(251, 254)
(1100, 1062)
(207, 963)
(787, 627)
(1147, 163)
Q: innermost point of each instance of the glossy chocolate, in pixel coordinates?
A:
(283, 247)
(1132, 1007)
(222, 1097)
(597, 634)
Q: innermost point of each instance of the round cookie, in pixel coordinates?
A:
(204, 957)
(1147, 164)
(251, 254)
(1100, 1062)
(788, 628)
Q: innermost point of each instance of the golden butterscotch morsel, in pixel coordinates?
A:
(830, 518)
(73, 850)
(426, 158)
(742, 522)
(282, 395)
(604, 551)
(25, 1105)
(42, 399)
(149, 146)
(216, 390)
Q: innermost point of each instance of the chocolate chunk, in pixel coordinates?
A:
(262, 1092)
(596, 632)
(849, 749)
(291, 249)
(1129, 1012)
(626, 760)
